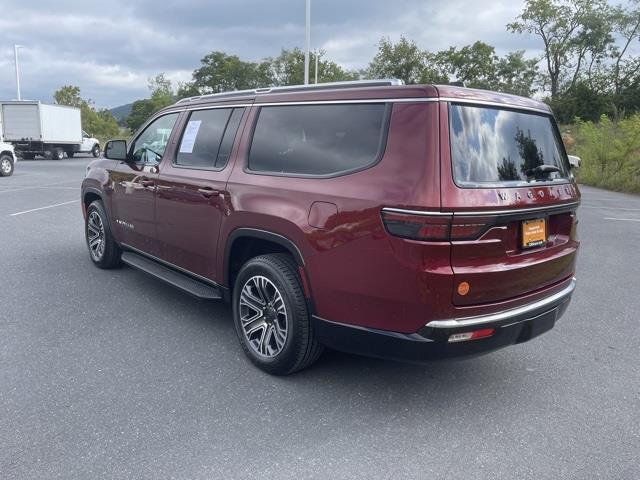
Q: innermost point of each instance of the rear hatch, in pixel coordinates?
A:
(507, 180)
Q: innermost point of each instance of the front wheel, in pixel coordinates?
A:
(6, 165)
(103, 249)
(95, 151)
(271, 316)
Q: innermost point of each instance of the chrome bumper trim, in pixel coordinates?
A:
(507, 314)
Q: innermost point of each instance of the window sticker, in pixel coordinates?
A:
(189, 137)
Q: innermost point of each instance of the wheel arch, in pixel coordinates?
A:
(245, 243)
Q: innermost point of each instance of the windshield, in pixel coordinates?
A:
(492, 145)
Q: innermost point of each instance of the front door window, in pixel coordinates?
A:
(150, 145)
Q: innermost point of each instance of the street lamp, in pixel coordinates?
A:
(307, 45)
(15, 54)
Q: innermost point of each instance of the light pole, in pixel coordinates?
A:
(15, 54)
(307, 45)
(316, 55)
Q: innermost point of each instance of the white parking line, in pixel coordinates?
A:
(611, 208)
(43, 208)
(46, 185)
(623, 219)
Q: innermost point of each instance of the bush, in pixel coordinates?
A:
(610, 153)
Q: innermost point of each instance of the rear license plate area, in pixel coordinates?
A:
(534, 233)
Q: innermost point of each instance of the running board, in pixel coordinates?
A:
(179, 280)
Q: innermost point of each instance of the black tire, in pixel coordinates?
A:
(28, 156)
(48, 154)
(111, 253)
(301, 347)
(6, 165)
(95, 151)
(69, 153)
(57, 153)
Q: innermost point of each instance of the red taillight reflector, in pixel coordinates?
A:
(417, 227)
(433, 227)
(475, 335)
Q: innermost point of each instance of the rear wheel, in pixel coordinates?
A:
(95, 151)
(103, 249)
(57, 153)
(271, 316)
(6, 165)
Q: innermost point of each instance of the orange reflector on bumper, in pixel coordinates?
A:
(475, 335)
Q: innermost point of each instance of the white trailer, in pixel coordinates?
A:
(35, 128)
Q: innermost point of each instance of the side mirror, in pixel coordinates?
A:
(116, 150)
(574, 161)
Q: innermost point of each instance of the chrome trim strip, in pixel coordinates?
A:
(474, 213)
(519, 210)
(509, 106)
(171, 265)
(515, 312)
(361, 100)
(417, 212)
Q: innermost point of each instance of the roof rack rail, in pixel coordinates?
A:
(297, 88)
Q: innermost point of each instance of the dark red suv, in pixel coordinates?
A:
(409, 222)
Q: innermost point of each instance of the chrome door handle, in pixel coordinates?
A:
(208, 192)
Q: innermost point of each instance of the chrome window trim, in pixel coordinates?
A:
(354, 101)
(509, 106)
(507, 314)
(474, 213)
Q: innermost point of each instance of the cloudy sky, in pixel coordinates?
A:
(110, 48)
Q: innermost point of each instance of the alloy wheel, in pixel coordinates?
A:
(263, 316)
(5, 166)
(95, 236)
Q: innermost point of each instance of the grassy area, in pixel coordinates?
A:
(610, 152)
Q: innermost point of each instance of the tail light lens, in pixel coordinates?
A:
(417, 227)
(435, 228)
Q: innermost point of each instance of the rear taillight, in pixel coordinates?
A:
(436, 228)
(417, 227)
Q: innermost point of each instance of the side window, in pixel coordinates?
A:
(208, 137)
(318, 139)
(150, 145)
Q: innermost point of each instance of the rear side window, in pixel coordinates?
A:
(208, 137)
(497, 146)
(318, 139)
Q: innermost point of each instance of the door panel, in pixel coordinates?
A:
(135, 183)
(191, 193)
(134, 205)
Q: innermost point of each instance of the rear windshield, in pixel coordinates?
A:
(492, 145)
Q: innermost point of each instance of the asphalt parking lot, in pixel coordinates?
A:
(111, 374)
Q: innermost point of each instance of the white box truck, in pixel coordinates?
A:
(35, 128)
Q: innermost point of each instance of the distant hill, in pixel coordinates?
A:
(121, 112)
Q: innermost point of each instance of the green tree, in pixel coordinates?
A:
(220, 72)
(161, 96)
(403, 60)
(99, 123)
(575, 36)
(288, 68)
(475, 64)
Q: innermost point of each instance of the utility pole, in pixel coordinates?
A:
(307, 46)
(316, 54)
(15, 55)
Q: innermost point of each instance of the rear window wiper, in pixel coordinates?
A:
(542, 170)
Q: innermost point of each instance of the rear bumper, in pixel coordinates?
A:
(432, 341)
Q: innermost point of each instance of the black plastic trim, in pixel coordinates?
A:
(262, 235)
